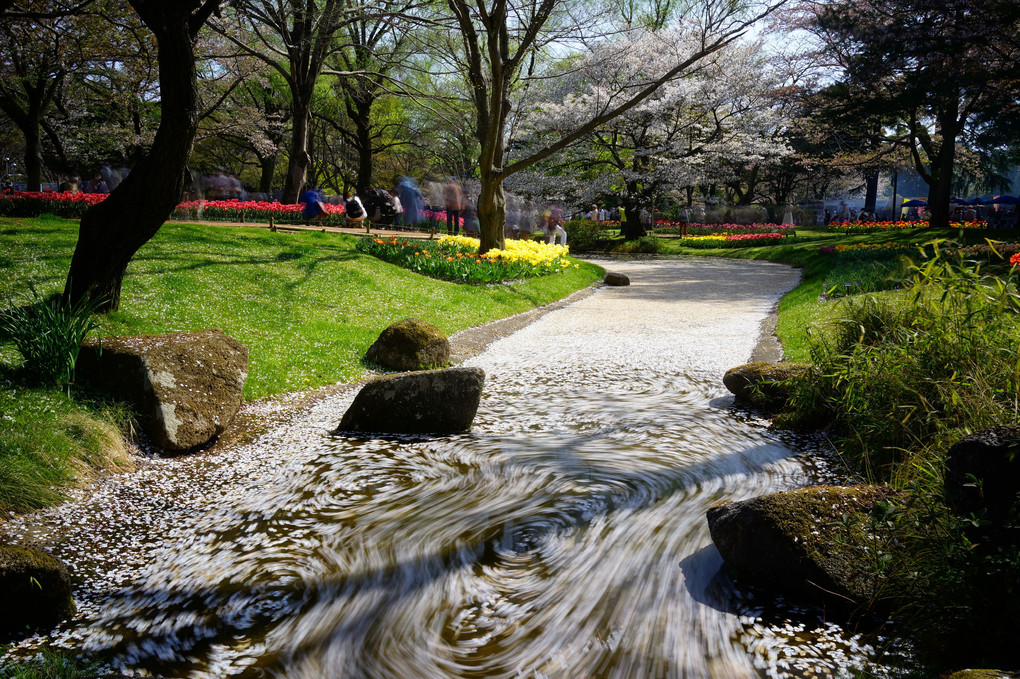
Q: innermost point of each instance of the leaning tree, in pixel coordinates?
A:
(112, 231)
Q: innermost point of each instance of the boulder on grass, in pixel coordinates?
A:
(815, 544)
(424, 402)
(185, 387)
(616, 279)
(410, 344)
(764, 384)
(35, 589)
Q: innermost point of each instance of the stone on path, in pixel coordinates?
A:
(410, 344)
(185, 387)
(763, 384)
(35, 589)
(424, 402)
(616, 279)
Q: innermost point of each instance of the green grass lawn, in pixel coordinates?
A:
(306, 304)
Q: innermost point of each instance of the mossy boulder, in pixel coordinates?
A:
(410, 344)
(423, 402)
(819, 544)
(35, 589)
(186, 387)
(983, 674)
(764, 384)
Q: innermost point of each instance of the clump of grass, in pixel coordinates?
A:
(865, 271)
(53, 442)
(50, 665)
(897, 373)
(48, 334)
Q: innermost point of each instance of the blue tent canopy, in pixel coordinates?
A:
(1003, 200)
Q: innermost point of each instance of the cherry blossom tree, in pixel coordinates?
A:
(500, 43)
(691, 131)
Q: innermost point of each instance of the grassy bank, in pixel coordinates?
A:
(306, 304)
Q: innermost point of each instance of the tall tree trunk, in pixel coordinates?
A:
(297, 168)
(632, 227)
(871, 195)
(940, 191)
(112, 231)
(491, 212)
(267, 168)
(363, 130)
(33, 150)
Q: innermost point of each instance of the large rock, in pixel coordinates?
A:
(425, 402)
(764, 384)
(410, 344)
(817, 544)
(983, 474)
(35, 589)
(185, 387)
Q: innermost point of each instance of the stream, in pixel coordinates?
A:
(564, 536)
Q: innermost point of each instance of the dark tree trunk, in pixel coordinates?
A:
(632, 228)
(33, 151)
(940, 191)
(363, 130)
(871, 196)
(112, 232)
(297, 168)
(267, 166)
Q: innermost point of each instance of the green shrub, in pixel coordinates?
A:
(583, 234)
(48, 334)
(645, 244)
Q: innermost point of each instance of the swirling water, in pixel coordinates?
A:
(565, 536)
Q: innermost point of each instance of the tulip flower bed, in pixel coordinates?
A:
(738, 240)
(456, 258)
(253, 211)
(857, 227)
(33, 204)
(665, 227)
